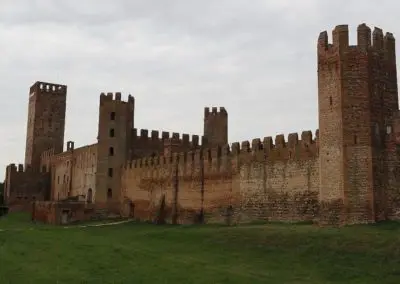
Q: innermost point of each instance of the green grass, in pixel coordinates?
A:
(144, 253)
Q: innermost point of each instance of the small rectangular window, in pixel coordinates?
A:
(112, 115)
(112, 132)
(110, 172)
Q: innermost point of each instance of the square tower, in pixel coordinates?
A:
(357, 96)
(116, 120)
(46, 121)
(216, 126)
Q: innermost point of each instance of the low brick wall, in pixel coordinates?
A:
(62, 213)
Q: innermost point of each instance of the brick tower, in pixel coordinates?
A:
(114, 144)
(357, 96)
(215, 126)
(46, 121)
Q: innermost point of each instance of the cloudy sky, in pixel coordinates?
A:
(255, 57)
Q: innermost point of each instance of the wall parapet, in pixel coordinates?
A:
(215, 111)
(366, 40)
(186, 139)
(115, 97)
(263, 151)
(18, 169)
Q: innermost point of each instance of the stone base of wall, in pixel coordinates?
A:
(62, 213)
(336, 213)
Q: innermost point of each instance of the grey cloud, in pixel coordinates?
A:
(257, 58)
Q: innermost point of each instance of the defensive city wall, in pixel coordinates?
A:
(347, 172)
(254, 181)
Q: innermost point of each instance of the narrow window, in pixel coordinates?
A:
(330, 100)
(110, 172)
(355, 139)
(112, 133)
(58, 179)
(90, 196)
(111, 151)
(112, 115)
(109, 193)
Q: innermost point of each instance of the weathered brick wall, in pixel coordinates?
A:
(390, 200)
(114, 144)
(61, 175)
(46, 121)
(59, 212)
(45, 212)
(148, 143)
(357, 98)
(330, 130)
(74, 173)
(262, 182)
(216, 126)
(23, 185)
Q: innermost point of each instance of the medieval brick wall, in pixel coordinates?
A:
(74, 173)
(145, 145)
(391, 198)
(261, 182)
(215, 126)
(347, 174)
(23, 185)
(46, 121)
(114, 140)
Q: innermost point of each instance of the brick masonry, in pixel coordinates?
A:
(346, 173)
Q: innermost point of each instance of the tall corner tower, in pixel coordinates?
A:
(357, 95)
(46, 121)
(116, 120)
(216, 126)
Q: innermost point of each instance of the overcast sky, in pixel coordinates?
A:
(257, 58)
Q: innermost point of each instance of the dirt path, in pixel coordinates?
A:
(76, 226)
(100, 224)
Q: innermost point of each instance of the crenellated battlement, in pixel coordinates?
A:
(366, 40)
(115, 97)
(18, 169)
(271, 150)
(44, 87)
(279, 149)
(215, 111)
(186, 139)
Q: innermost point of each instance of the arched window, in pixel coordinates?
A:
(109, 193)
(89, 196)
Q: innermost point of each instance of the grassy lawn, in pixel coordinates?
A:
(144, 253)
